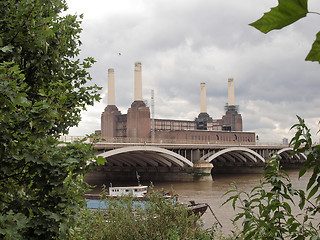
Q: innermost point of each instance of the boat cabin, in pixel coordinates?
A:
(135, 191)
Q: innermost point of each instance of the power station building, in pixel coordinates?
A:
(138, 124)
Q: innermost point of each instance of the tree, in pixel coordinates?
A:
(158, 217)
(43, 88)
(266, 210)
(286, 13)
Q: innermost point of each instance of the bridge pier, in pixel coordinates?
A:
(195, 155)
(201, 170)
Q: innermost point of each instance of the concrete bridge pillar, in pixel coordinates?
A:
(202, 170)
(195, 155)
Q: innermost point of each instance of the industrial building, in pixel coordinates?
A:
(138, 124)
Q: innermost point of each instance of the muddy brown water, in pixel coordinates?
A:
(212, 192)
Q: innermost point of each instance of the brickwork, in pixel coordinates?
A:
(137, 124)
(205, 137)
(109, 121)
(138, 121)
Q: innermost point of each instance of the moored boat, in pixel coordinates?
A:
(139, 194)
(134, 191)
(114, 192)
(197, 209)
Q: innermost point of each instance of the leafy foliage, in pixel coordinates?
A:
(43, 88)
(302, 143)
(124, 218)
(266, 210)
(286, 13)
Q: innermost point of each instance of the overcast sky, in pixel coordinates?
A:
(183, 43)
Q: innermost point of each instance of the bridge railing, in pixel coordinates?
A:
(73, 139)
(166, 141)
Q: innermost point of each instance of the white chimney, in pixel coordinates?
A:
(111, 91)
(230, 92)
(203, 98)
(137, 82)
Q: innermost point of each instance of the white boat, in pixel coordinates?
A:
(134, 191)
(138, 192)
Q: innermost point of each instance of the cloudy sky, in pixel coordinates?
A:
(183, 43)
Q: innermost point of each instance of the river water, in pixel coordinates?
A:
(212, 192)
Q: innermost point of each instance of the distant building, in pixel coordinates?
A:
(285, 141)
(137, 123)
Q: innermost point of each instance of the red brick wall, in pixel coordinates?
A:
(138, 121)
(109, 121)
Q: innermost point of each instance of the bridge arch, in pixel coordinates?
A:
(145, 156)
(236, 154)
(286, 156)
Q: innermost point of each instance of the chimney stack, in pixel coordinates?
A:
(230, 92)
(137, 82)
(203, 98)
(111, 91)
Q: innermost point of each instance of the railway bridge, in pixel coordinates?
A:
(174, 161)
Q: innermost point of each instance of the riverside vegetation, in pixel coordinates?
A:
(266, 211)
(44, 87)
(123, 218)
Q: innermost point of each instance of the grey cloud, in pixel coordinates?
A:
(183, 43)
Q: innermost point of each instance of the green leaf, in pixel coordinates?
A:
(312, 180)
(101, 160)
(314, 54)
(314, 237)
(72, 160)
(287, 207)
(7, 48)
(22, 100)
(234, 201)
(286, 13)
(313, 191)
(302, 199)
(302, 171)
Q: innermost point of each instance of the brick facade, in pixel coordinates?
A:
(137, 124)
